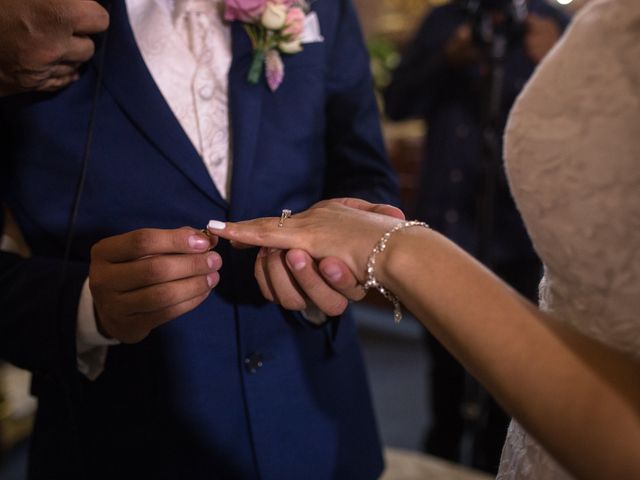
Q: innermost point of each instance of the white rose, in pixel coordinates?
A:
(294, 46)
(274, 16)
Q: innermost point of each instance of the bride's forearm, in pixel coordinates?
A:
(579, 398)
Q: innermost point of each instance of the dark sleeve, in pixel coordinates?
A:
(423, 73)
(357, 163)
(38, 313)
(38, 307)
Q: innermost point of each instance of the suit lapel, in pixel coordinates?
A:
(128, 80)
(245, 106)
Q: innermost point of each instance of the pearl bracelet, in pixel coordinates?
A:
(372, 282)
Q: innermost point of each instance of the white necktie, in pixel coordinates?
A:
(199, 24)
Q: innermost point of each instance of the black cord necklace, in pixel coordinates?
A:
(86, 155)
(71, 393)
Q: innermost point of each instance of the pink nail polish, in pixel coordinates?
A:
(299, 265)
(333, 272)
(212, 279)
(196, 242)
(296, 260)
(212, 261)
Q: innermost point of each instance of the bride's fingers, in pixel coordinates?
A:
(260, 232)
(330, 228)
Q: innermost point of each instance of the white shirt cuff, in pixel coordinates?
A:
(91, 345)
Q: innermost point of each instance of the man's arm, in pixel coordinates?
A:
(39, 307)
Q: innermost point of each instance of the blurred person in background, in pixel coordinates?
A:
(461, 74)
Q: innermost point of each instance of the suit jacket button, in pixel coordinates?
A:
(253, 362)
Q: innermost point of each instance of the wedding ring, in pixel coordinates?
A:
(286, 213)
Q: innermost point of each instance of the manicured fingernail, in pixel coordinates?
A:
(197, 242)
(333, 272)
(213, 260)
(297, 261)
(212, 279)
(216, 225)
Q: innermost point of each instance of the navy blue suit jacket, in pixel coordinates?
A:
(190, 401)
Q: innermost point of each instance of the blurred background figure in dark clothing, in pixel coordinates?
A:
(461, 74)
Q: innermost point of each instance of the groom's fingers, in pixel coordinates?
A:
(155, 319)
(293, 280)
(150, 241)
(359, 204)
(389, 210)
(136, 327)
(309, 280)
(281, 282)
(159, 297)
(338, 275)
(156, 269)
(149, 272)
(260, 273)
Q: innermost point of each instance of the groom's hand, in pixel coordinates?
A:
(297, 282)
(142, 279)
(43, 43)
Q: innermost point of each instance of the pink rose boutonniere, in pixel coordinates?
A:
(274, 27)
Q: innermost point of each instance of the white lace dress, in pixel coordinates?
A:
(573, 159)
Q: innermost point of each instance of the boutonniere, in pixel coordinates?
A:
(274, 27)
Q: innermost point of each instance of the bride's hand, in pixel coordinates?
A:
(347, 229)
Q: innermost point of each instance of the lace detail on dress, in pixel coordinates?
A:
(524, 458)
(573, 158)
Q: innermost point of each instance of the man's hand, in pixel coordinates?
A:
(43, 43)
(148, 277)
(542, 34)
(295, 281)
